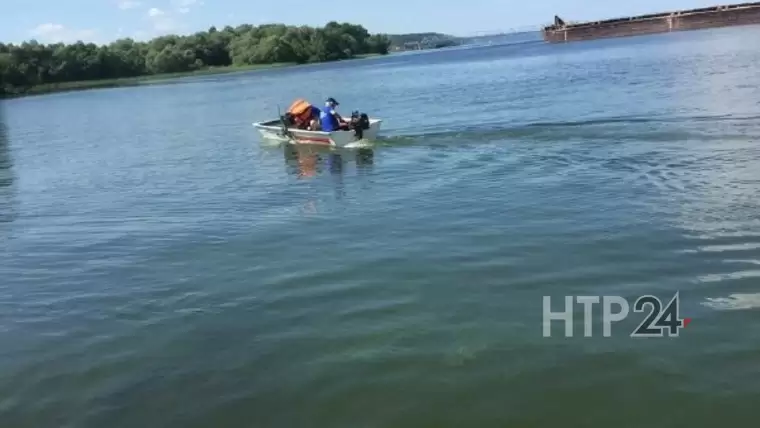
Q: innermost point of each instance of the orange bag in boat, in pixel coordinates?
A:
(301, 111)
(299, 107)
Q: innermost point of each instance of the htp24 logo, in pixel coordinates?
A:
(660, 320)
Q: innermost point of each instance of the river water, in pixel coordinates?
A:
(160, 266)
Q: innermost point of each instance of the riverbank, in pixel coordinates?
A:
(163, 78)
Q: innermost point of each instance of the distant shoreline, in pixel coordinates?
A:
(51, 88)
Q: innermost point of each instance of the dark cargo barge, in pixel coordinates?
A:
(694, 19)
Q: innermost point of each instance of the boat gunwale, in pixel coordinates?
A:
(273, 125)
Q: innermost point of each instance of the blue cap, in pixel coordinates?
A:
(333, 100)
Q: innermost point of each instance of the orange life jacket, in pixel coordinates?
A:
(301, 112)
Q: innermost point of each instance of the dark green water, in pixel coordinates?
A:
(161, 267)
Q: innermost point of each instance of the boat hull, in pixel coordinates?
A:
(272, 130)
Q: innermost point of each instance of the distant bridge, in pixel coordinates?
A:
(427, 43)
(505, 31)
(437, 40)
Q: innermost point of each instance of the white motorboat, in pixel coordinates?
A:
(275, 130)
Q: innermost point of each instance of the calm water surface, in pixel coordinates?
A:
(160, 266)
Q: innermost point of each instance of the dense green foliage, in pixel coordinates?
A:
(400, 39)
(421, 40)
(32, 64)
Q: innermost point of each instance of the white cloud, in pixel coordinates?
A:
(129, 4)
(162, 22)
(45, 29)
(54, 33)
(186, 3)
(184, 6)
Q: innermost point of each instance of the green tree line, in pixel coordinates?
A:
(31, 63)
(426, 40)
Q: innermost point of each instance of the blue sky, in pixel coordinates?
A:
(102, 21)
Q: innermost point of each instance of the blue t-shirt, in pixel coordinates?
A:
(328, 119)
(315, 111)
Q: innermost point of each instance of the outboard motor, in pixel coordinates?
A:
(359, 123)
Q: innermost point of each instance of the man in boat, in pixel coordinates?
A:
(330, 119)
(313, 123)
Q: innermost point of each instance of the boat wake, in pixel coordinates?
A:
(360, 144)
(613, 129)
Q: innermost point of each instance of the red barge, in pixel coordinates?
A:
(694, 19)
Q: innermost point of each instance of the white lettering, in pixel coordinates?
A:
(588, 305)
(608, 317)
(566, 316)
